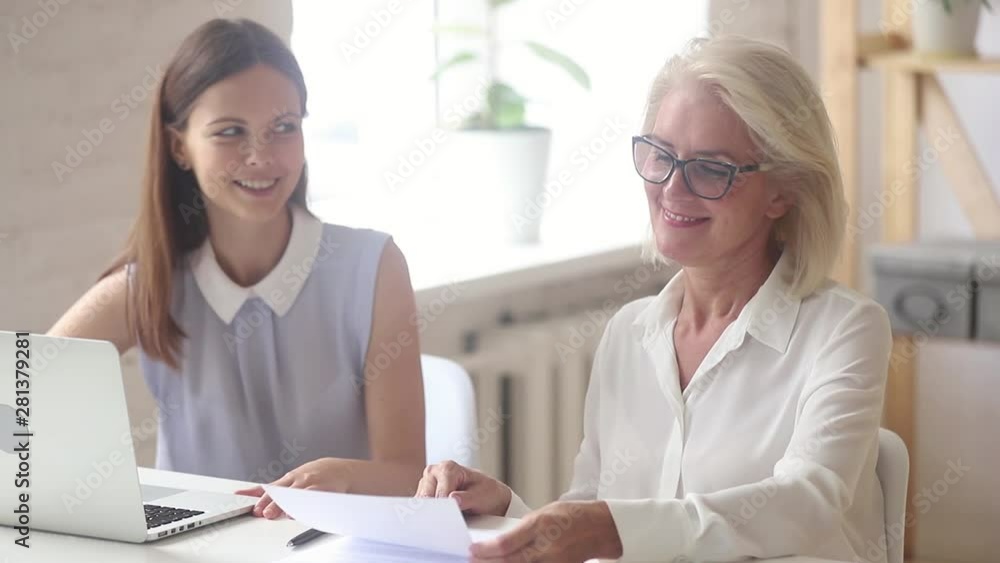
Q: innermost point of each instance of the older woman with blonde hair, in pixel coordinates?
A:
(736, 413)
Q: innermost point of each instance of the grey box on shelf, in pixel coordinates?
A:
(988, 312)
(927, 288)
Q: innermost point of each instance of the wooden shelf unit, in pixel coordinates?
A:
(923, 64)
(911, 96)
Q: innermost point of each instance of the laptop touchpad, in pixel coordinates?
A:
(151, 493)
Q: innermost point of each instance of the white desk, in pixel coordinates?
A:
(241, 540)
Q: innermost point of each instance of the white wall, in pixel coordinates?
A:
(958, 383)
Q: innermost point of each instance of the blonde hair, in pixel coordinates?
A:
(788, 123)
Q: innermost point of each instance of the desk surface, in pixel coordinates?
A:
(244, 539)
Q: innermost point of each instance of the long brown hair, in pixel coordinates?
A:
(172, 220)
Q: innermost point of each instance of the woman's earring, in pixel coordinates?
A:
(183, 165)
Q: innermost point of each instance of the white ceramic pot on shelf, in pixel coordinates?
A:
(938, 32)
(505, 171)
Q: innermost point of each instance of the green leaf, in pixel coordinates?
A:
(457, 59)
(468, 30)
(506, 106)
(494, 4)
(561, 61)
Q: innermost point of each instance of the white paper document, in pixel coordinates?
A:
(342, 549)
(356, 550)
(372, 529)
(429, 524)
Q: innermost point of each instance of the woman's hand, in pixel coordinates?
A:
(325, 474)
(571, 531)
(475, 492)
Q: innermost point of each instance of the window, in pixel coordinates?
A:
(367, 65)
(372, 104)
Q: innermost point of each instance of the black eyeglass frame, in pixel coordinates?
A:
(734, 169)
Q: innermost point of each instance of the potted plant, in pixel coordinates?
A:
(508, 155)
(946, 27)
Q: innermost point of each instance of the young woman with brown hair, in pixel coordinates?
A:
(258, 326)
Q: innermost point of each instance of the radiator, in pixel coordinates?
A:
(531, 380)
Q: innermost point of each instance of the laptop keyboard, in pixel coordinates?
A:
(160, 515)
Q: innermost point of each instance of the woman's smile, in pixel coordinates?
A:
(258, 187)
(682, 221)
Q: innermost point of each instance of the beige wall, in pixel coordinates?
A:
(957, 384)
(69, 77)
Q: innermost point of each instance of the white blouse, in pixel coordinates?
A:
(771, 448)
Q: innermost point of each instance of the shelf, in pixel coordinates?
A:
(912, 96)
(928, 64)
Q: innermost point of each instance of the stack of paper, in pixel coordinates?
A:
(383, 529)
(343, 549)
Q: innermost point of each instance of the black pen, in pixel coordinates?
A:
(304, 537)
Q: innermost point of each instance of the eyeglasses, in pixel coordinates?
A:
(704, 177)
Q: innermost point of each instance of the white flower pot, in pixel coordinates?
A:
(937, 32)
(505, 170)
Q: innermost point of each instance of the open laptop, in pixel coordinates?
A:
(79, 470)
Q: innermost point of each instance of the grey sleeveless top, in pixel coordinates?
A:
(270, 376)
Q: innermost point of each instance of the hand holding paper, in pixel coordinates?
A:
(434, 524)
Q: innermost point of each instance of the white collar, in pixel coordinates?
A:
(769, 316)
(278, 288)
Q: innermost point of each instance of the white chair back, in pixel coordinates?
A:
(893, 470)
(450, 406)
